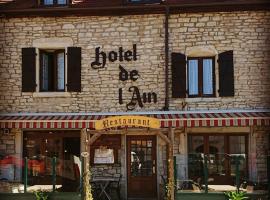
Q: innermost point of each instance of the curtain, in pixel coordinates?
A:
(48, 2)
(193, 77)
(45, 72)
(61, 71)
(61, 2)
(207, 76)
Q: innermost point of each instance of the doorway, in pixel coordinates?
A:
(141, 167)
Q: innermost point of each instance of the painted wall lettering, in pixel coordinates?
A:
(112, 56)
(137, 98)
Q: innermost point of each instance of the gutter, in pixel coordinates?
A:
(167, 15)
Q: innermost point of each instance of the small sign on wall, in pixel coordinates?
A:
(104, 156)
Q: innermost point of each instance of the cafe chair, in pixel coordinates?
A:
(116, 187)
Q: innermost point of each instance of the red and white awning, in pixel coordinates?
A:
(167, 119)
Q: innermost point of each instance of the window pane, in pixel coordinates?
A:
(207, 76)
(195, 157)
(216, 165)
(45, 72)
(48, 2)
(61, 71)
(61, 2)
(238, 148)
(193, 77)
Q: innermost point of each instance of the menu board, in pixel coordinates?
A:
(104, 156)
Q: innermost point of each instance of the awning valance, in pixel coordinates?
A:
(167, 119)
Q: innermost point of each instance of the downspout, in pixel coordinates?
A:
(167, 15)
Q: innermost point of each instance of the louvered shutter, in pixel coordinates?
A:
(74, 69)
(29, 70)
(178, 75)
(226, 74)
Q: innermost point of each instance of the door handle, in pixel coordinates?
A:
(154, 170)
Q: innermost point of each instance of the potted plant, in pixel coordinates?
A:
(41, 195)
(236, 195)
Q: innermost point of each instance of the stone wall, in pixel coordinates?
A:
(7, 143)
(262, 150)
(246, 33)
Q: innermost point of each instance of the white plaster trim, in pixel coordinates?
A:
(138, 113)
(201, 51)
(51, 94)
(52, 43)
(203, 99)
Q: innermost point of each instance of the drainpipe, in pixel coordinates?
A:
(167, 15)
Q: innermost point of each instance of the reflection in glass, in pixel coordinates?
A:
(141, 159)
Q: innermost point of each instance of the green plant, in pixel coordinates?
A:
(235, 195)
(41, 195)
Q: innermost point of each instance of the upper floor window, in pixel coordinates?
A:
(52, 73)
(195, 76)
(144, 1)
(52, 70)
(53, 2)
(201, 77)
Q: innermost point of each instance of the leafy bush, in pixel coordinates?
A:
(41, 195)
(235, 195)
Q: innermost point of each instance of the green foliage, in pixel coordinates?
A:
(235, 195)
(41, 195)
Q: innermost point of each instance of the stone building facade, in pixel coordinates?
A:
(103, 92)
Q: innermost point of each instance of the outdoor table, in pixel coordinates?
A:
(42, 187)
(223, 188)
(103, 183)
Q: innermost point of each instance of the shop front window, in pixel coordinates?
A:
(220, 151)
(50, 152)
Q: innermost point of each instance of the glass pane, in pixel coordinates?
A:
(45, 72)
(48, 2)
(193, 77)
(238, 148)
(61, 71)
(63, 2)
(216, 157)
(195, 157)
(141, 159)
(207, 76)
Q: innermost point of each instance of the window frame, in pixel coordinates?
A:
(226, 137)
(144, 2)
(200, 77)
(55, 4)
(55, 68)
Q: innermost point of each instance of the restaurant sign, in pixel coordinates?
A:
(130, 121)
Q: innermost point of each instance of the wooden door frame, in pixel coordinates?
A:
(127, 138)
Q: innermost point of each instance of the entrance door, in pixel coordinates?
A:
(141, 166)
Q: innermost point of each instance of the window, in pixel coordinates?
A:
(201, 77)
(144, 1)
(54, 74)
(221, 151)
(52, 70)
(195, 76)
(53, 2)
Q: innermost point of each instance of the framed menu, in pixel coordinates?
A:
(104, 156)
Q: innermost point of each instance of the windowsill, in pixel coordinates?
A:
(51, 94)
(203, 99)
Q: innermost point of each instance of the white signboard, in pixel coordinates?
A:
(104, 156)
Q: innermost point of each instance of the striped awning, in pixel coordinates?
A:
(167, 119)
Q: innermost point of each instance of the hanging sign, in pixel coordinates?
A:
(134, 121)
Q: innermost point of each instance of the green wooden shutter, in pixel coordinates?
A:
(29, 70)
(178, 75)
(226, 74)
(74, 69)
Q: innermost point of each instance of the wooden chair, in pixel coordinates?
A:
(116, 186)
